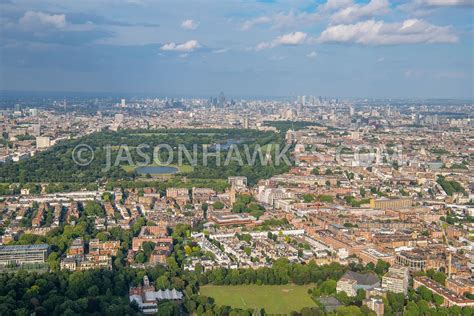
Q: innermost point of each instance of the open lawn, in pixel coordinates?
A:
(281, 299)
(182, 168)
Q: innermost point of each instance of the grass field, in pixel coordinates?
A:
(182, 168)
(281, 299)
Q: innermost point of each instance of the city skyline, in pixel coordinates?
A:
(378, 48)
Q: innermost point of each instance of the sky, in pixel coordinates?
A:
(344, 48)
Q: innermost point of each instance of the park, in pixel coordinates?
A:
(275, 299)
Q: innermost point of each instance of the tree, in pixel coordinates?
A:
(308, 198)
(93, 208)
(140, 257)
(439, 277)
(148, 248)
(438, 299)
(102, 236)
(218, 205)
(328, 287)
(238, 207)
(396, 301)
(349, 311)
(360, 296)
(423, 307)
(425, 293)
(54, 261)
(411, 309)
(325, 198)
(188, 250)
(93, 291)
(106, 197)
(381, 267)
(343, 298)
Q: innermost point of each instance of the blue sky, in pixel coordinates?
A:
(347, 48)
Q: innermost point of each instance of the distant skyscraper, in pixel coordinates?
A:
(299, 108)
(122, 103)
(221, 99)
(418, 119)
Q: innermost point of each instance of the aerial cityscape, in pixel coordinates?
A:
(275, 158)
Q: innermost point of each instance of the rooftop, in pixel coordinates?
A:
(361, 278)
(24, 247)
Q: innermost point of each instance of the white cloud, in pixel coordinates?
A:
(444, 3)
(284, 20)
(189, 25)
(343, 11)
(356, 12)
(249, 24)
(380, 33)
(332, 5)
(293, 19)
(339, 11)
(294, 38)
(424, 7)
(220, 51)
(290, 39)
(35, 20)
(136, 2)
(313, 54)
(187, 47)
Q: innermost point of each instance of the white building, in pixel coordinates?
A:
(396, 280)
(43, 142)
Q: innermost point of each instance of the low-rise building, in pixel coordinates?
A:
(352, 281)
(237, 181)
(450, 297)
(147, 298)
(392, 204)
(375, 304)
(99, 256)
(229, 219)
(76, 248)
(176, 192)
(201, 195)
(23, 254)
(460, 285)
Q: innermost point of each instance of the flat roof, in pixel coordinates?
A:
(24, 247)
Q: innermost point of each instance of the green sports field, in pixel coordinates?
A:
(281, 299)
